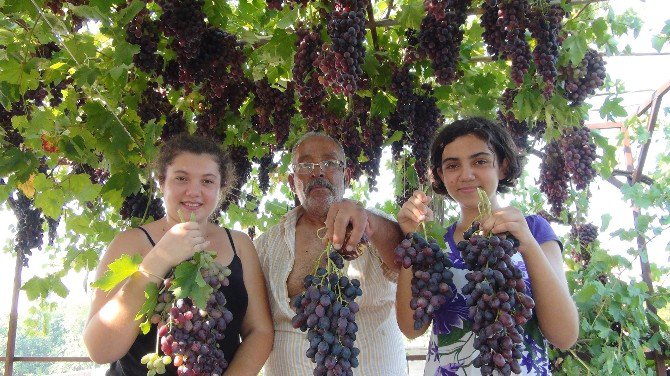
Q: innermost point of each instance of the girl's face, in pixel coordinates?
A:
(193, 185)
(468, 163)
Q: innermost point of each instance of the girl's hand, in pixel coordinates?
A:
(180, 242)
(414, 211)
(509, 219)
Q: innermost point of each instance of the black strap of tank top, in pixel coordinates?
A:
(230, 237)
(153, 244)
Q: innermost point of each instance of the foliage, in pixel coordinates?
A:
(77, 140)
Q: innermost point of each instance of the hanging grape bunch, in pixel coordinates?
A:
(431, 277)
(142, 205)
(189, 334)
(326, 310)
(584, 234)
(499, 305)
(583, 80)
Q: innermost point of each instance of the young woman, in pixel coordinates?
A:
(194, 175)
(466, 155)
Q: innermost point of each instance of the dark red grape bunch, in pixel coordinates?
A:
(136, 204)
(431, 277)
(189, 335)
(499, 305)
(326, 310)
(585, 79)
(585, 233)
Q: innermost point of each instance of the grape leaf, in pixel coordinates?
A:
(118, 270)
(147, 309)
(188, 282)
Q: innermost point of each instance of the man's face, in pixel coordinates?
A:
(319, 188)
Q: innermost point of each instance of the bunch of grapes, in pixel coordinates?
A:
(431, 277)
(513, 19)
(46, 50)
(142, 205)
(441, 35)
(493, 34)
(220, 63)
(351, 141)
(11, 135)
(190, 335)
(554, 177)
(143, 31)
(153, 103)
(373, 139)
(342, 63)
(29, 221)
(36, 95)
(274, 110)
(172, 74)
(545, 27)
(579, 153)
(52, 225)
(239, 155)
(306, 77)
(95, 175)
(583, 80)
(427, 119)
(174, 125)
(586, 233)
(184, 20)
(265, 166)
(499, 305)
(57, 91)
(326, 310)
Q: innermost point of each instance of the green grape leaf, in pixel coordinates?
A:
(188, 282)
(147, 309)
(117, 271)
(411, 14)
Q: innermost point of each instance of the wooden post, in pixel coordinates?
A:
(13, 317)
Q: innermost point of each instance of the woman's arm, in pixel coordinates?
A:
(257, 329)
(111, 327)
(555, 309)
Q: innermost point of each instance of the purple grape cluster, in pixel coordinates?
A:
(554, 177)
(274, 110)
(141, 205)
(493, 34)
(46, 50)
(306, 77)
(579, 153)
(189, 335)
(545, 27)
(583, 80)
(499, 304)
(326, 310)
(265, 166)
(440, 36)
(153, 103)
(29, 221)
(143, 31)
(431, 276)
(174, 125)
(239, 155)
(342, 63)
(513, 19)
(585, 233)
(373, 139)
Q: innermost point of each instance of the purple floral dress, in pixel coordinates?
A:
(450, 350)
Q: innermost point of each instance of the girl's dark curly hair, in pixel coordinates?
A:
(490, 132)
(187, 143)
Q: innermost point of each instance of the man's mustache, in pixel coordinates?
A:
(318, 183)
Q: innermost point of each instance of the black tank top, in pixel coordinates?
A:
(237, 299)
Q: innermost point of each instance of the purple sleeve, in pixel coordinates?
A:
(541, 230)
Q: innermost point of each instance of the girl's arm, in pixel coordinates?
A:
(111, 328)
(412, 213)
(257, 329)
(556, 311)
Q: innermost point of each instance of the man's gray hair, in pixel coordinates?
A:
(314, 134)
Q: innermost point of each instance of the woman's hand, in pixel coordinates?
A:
(509, 219)
(180, 243)
(414, 211)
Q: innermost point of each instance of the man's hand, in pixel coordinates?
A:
(342, 215)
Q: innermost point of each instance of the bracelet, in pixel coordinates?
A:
(148, 273)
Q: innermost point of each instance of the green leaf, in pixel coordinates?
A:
(411, 14)
(188, 283)
(381, 105)
(576, 47)
(288, 18)
(147, 309)
(129, 12)
(612, 108)
(81, 187)
(585, 294)
(50, 198)
(117, 271)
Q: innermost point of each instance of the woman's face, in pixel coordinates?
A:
(192, 185)
(469, 163)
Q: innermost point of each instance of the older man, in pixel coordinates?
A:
(288, 252)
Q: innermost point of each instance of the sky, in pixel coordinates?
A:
(639, 73)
